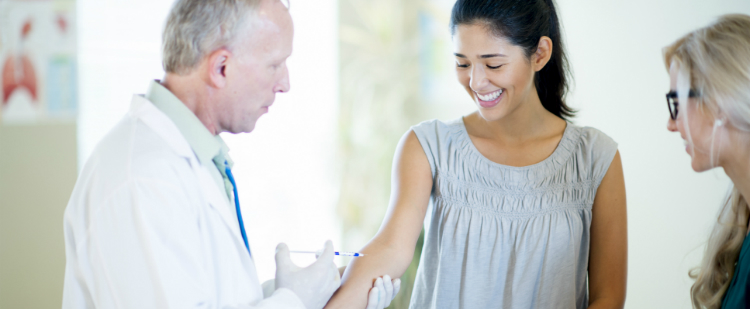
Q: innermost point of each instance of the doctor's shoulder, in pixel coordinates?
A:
(131, 154)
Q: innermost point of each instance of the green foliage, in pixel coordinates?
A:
(380, 84)
(379, 101)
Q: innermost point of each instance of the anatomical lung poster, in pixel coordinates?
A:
(37, 61)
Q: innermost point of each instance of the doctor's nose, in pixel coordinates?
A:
(283, 84)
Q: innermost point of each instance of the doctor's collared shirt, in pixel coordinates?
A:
(207, 147)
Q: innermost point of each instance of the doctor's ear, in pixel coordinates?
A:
(217, 64)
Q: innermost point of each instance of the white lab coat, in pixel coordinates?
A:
(148, 227)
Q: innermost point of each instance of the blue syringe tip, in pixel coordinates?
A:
(348, 253)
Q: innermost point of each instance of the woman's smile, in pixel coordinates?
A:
(491, 99)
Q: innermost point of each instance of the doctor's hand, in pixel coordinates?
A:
(314, 284)
(383, 292)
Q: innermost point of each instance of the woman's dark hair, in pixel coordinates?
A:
(523, 23)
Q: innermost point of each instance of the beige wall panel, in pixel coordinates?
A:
(37, 175)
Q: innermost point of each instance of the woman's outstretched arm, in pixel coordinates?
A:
(392, 249)
(608, 260)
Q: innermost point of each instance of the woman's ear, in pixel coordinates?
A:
(543, 53)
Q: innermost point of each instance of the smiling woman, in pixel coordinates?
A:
(507, 26)
(520, 208)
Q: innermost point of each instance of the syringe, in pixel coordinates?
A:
(334, 253)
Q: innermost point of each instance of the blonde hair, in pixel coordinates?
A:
(196, 28)
(716, 61)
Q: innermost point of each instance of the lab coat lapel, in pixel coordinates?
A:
(144, 110)
(215, 197)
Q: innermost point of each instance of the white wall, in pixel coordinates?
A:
(615, 50)
(283, 169)
(286, 168)
(119, 53)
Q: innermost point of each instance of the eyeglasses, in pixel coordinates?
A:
(672, 103)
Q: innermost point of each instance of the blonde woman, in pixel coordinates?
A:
(710, 72)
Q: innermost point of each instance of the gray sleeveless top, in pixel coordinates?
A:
(498, 236)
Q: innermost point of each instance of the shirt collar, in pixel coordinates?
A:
(223, 154)
(205, 145)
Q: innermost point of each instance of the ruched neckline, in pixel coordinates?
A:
(557, 158)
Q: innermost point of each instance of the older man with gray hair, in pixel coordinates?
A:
(154, 220)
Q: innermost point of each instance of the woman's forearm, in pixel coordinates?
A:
(380, 259)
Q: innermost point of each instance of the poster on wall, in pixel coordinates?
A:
(37, 61)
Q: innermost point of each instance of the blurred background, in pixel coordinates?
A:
(317, 166)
